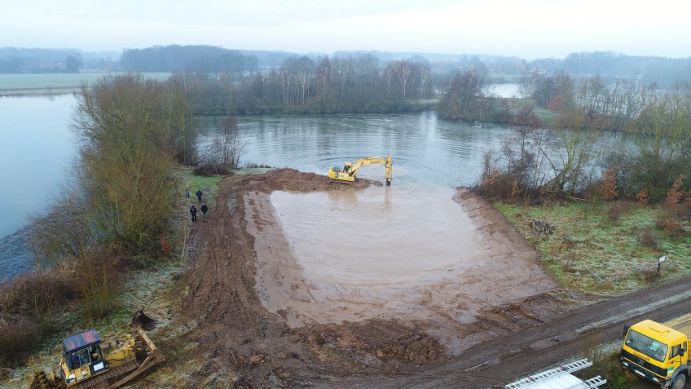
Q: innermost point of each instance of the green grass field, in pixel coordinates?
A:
(588, 252)
(59, 80)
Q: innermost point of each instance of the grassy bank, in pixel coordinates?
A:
(146, 284)
(592, 252)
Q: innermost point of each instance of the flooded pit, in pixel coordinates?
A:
(388, 253)
(380, 237)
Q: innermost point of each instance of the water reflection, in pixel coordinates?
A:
(38, 151)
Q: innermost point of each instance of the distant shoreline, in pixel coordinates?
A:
(47, 92)
(54, 84)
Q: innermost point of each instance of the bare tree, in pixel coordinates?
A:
(227, 147)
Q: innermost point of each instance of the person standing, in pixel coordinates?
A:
(204, 210)
(199, 195)
(193, 212)
(187, 191)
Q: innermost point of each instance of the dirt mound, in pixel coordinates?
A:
(293, 180)
(386, 344)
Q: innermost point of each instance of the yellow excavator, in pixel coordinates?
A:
(349, 170)
(87, 363)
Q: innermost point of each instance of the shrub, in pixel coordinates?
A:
(647, 237)
(642, 197)
(97, 281)
(17, 338)
(27, 305)
(36, 294)
(615, 212)
(608, 187)
(671, 227)
(676, 192)
(252, 165)
(211, 169)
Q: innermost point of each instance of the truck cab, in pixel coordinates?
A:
(658, 352)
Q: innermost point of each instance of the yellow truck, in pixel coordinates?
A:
(659, 352)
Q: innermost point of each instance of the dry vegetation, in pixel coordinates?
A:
(608, 248)
(120, 215)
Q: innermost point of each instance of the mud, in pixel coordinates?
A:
(415, 257)
(259, 318)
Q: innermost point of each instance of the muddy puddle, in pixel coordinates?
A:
(379, 237)
(419, 256)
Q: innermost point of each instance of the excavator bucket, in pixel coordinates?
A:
(140, 319)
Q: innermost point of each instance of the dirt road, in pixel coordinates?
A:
(238, 340)
(506, 358)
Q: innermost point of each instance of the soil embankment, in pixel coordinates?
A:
(257, 319)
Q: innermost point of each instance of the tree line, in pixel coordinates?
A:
(612, 66)
(303, 85)
(193, 59)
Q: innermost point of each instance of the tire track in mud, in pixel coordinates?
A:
(238, 339)
(501, 360)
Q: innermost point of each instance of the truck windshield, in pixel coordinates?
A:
(646, 345)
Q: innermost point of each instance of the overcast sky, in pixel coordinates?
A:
(526, 28)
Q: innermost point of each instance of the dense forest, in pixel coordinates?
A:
(198, 59)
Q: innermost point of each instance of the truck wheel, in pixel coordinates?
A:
(679, 382)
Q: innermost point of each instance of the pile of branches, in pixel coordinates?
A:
(212, 169)
(542, 227)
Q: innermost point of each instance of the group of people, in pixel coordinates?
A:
(193, 209)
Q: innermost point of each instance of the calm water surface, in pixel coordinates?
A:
(39, 149)
(426, 151)
(37, 154)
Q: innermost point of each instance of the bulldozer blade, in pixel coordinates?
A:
(154, 358)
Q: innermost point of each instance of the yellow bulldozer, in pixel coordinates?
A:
(88, 362)
(349, 171)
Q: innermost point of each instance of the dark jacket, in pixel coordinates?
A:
(204, 208)
(193, 210)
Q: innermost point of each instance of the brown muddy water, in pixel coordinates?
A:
(426, 257)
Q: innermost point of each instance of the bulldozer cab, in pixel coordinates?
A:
(82, 357)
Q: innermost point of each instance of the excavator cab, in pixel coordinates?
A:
(82, 357)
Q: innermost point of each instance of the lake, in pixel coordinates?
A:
(427, 153)
(39, 150)
(425, 150)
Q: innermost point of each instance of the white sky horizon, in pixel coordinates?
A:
(522, 28)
